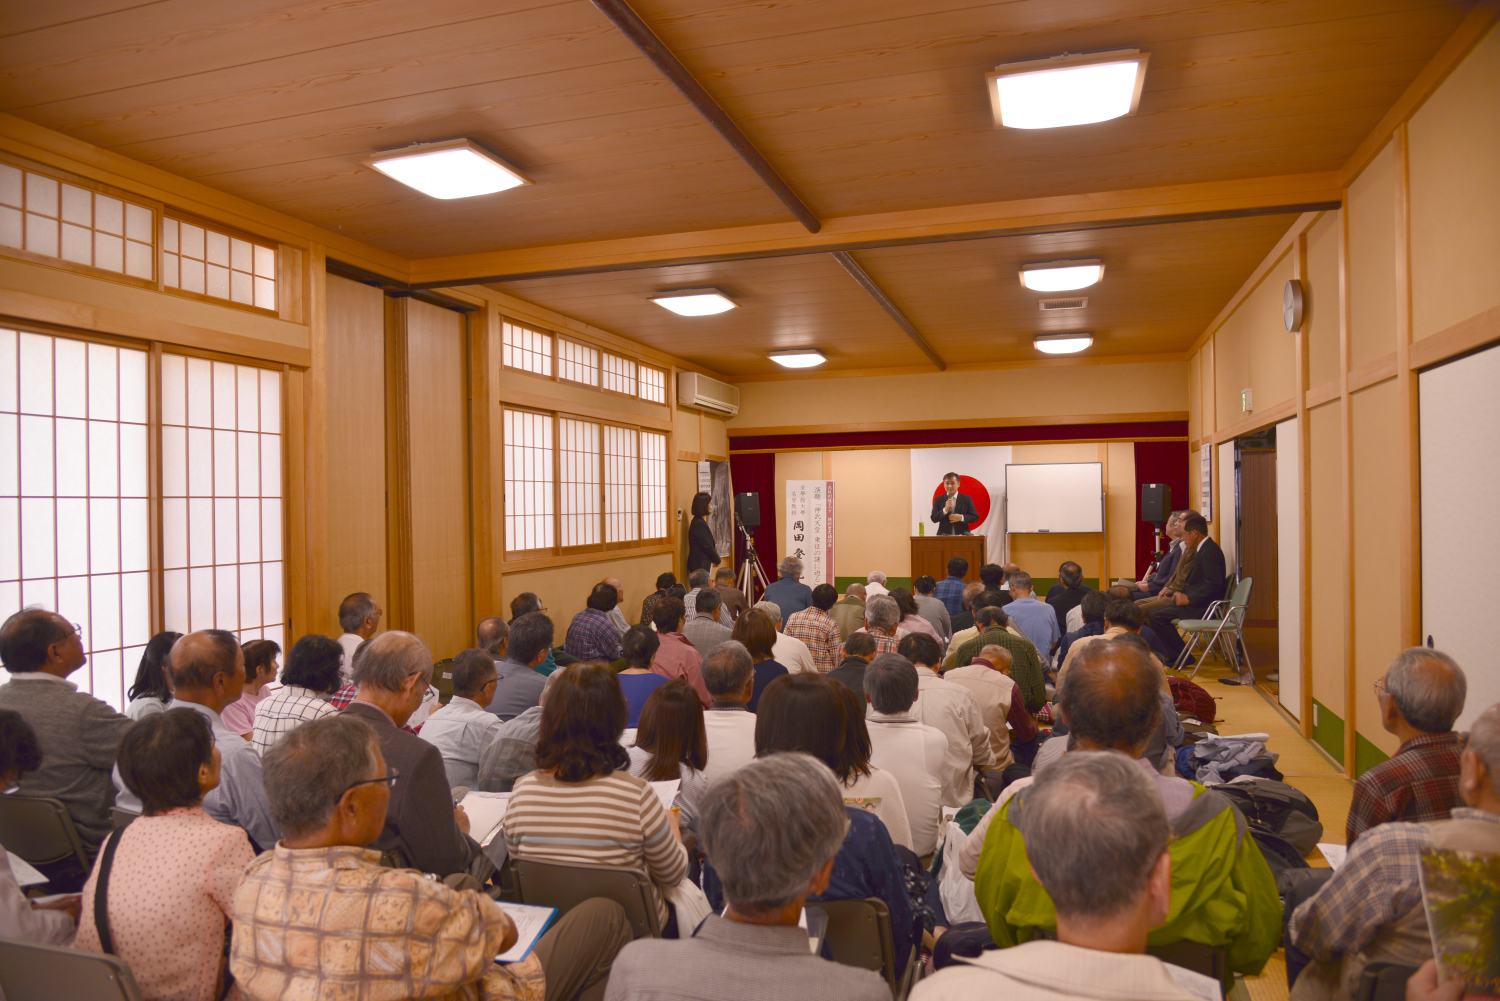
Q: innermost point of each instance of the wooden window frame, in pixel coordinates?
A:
(234, 234)
(596, 385)
(551, 355)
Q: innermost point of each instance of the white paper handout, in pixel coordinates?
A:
(1335, 854)
(667, 792)
(26, 874)
(530, 922)
(1196, 983)
(485, 810)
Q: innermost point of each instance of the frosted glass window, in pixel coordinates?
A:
(529, 506)
(578, 480)
(527, 350)
(653, 384)
(202, 260)
(221, 529)
(74, 523)
(56, 219)
(653, 485)
(577, 362)
(621, 485)
(618, 374)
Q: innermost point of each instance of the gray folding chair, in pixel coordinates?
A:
(565, 885)
(1224, 626)
(31, 972)
(40, 830)
(859, 934)
(1209, 960)
(121, 818)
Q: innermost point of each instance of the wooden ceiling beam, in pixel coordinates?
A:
(1292, 193)
(639, 33)
(883, 301)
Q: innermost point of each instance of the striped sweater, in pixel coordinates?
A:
(613, 819)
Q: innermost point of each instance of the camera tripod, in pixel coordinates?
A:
(750, 571)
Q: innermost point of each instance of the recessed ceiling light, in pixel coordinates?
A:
(1061, 276)
(1067, 89)
(694, 301)
(1062, 344)
(804, 358)
(457, 168)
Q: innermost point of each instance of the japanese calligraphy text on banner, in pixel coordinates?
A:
(809, 528)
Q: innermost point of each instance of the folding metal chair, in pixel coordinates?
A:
(1223, 624)
(31, 972)
(121, 818)
(565, 885)
(859, 934)
(40, 830)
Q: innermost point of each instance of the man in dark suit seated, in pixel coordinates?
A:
(1203, 584)
(953, 512)
(1151, 586)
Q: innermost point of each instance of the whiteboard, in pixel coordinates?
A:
(1054, 497)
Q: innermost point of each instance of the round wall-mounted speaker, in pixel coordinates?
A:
(1291, 305)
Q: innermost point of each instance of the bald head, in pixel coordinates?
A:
(614, 582)
(858, 590)
(999, 657)
(208, 668)
(492, 635)
(1109, 694)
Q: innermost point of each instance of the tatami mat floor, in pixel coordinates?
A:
(1254, 710)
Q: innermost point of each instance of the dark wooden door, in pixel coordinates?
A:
(1258, 531)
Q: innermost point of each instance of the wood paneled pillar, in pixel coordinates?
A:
(399, 611)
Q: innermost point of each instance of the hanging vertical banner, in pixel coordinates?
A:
(809, 528)
(1206, 496)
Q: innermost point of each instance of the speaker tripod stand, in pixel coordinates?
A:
(750, 571)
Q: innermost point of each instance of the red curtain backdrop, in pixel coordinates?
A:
(1157, 462)
(755, 473)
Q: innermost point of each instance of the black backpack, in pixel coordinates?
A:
(1277, 808)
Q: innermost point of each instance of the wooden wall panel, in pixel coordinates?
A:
(356, 439)
(1120, 511)
(1372, 261)
(1376, 426)
(1455, 202)
(439, 478)
(564, 590)
(1254, 351)
(1321, 287)
(809, 466)
(1195, 397)
(1327, 536)
(873, 511)
(1259, 556)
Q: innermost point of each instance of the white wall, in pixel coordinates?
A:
(1225, 511)
(1289, 564)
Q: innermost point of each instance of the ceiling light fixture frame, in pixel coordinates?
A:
(787, 358)
(1086, 336)
(374, 161)
(1064, 62)
(662, 298)
(1045, 266)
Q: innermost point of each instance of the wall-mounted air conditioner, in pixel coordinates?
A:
(694, 390)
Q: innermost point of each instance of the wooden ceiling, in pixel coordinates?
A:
(863, 106)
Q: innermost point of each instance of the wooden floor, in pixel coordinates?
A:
(1254, 710)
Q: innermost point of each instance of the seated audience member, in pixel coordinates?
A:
(463, 729)
(671, 743)
(1371, 910)
(617, 614)
(931, 608)
(663, 582)
(994, 578)
(733, 598)
(153, 688)
(1026, 664)
(591, 634)
(1098, 844)
(757, 631)
(583, 783)
(911, 619)
(50, 922)
(950, 589)
(260, 671)
(911, 751)
(1202, 583)
(169, 890)
(729, 673)
(787, 649)
(1422, 693)
(773, 834)
(954, 710)
(359, 617)
(1150, 586)
(875, 585)
(697, 581)
(1121, 591)
(1067, 593)
(675, 656)
(787, 590)
(637, 680)
(859, 650)
(1222, 890)
(705, 630)
(310, 676)
(987, 677)
(519, 684)
(817, 629)
(963, 622)
(78, 734)
(493, 636)
(422, 827)
(208, 670)
(1161, 749)
(512, 750)
(1036, 619)
(849, 611)
(1121, 616)
(330, 786)
(524, 604)
(1091, 610)
(882, 616)
(817, 715)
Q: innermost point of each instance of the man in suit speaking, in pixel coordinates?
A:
(953, 512)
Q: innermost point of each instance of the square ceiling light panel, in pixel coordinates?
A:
(457, 168)
(1067, 89)
(694, 301)
(801, 358)
(1062, 276)
(1063, 344)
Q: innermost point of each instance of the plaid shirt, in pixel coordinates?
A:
(950, 591)
(1419, 783)
(286, 709)
(648, 605)
(591, 636)
(883, 642)
(1378, 885)
(820, 632)
(340, 700)
(333, 923)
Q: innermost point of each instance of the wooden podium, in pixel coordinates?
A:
(930, 554)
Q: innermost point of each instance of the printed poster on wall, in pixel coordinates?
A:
(809, 528)
(1206, 496)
